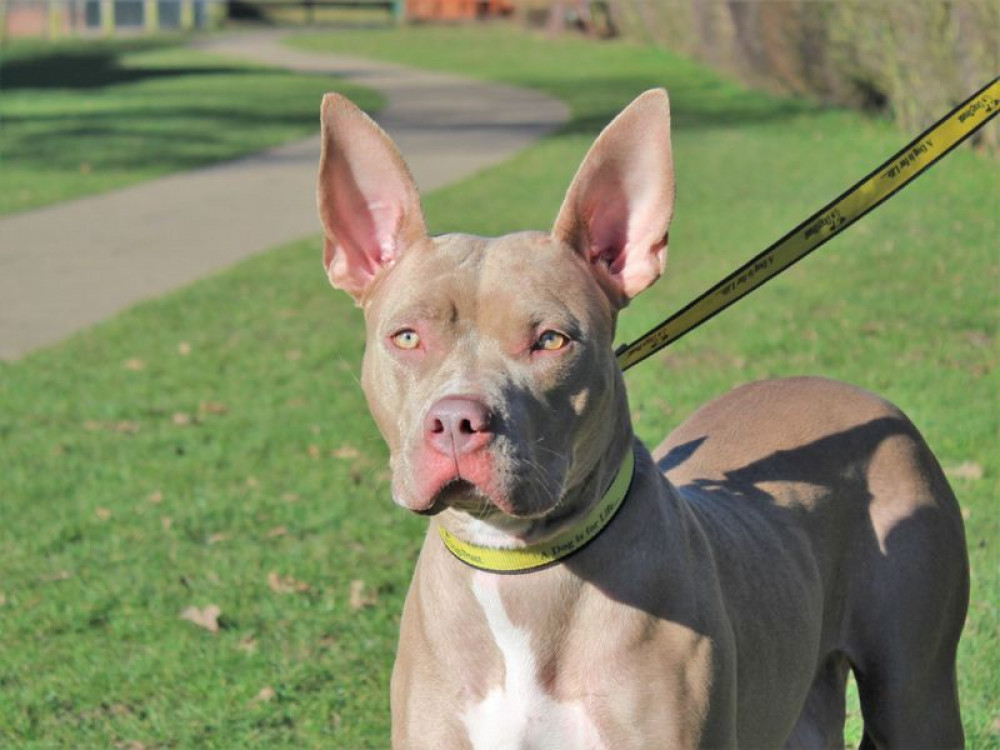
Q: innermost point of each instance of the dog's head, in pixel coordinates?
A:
(489, 365)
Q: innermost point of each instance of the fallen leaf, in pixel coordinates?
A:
(285, 584)
(966, 470)
(291, 497)
(184, 348)
(155, 497)
(220, 536)
(265, 694)
(346, 452)
(252, 482)
(313, 451)
(103, 513)
(213, 407)
(124, 426)
(278, 531)
(134, 364)
(166, 522)
(359, 599)
(181, 419)
(248, 644)
(60, 575)
(207, 617)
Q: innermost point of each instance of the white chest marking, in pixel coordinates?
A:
(520, 715)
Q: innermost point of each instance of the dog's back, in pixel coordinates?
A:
(840, 484)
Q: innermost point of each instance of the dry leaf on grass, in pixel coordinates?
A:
(134, 364)
(59, 575)
(212, 407)
(103, 513)
(124, 427)
(285, 584)
(248, 644)
(206, 617)
(277, 531)
(217, 537)
(155, 497)
(345, 451)
(266, 694)
(359, 598)
(182, 419)
(314, 451)
(966, 470)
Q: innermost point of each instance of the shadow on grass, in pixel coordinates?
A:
(694, 104)
(90, 69)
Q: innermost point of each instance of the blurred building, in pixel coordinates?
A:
(58, 17)
(456, 10)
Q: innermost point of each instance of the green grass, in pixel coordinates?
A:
(81, 117)
(178, 454)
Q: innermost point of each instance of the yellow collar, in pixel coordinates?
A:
(535, 556)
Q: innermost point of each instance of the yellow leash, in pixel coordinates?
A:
(880, 185)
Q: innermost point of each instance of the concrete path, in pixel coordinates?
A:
(68, 266)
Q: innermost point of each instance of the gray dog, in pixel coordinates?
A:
(575, 591)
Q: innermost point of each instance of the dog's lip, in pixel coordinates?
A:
(465, 496)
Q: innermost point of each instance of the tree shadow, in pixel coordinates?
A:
(84, 69)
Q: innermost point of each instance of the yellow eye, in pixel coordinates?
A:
(551, 341)
(406, 339)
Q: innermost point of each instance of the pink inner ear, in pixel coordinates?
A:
(608, 231)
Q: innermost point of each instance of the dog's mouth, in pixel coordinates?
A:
(460, 494)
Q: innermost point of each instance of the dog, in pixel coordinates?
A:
(576, 590)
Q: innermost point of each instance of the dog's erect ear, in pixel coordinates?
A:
(368, 202)
(618, 208)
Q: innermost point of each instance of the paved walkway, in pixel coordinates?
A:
(68, 266)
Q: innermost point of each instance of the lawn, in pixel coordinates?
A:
(80, 117)
(212, 448)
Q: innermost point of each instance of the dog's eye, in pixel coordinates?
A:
(551, 341)
(406, 339)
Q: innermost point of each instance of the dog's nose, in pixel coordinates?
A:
(458, 425)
